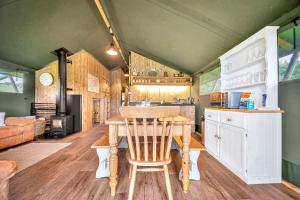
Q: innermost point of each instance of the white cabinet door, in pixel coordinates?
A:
(211, 137)
(232, 148)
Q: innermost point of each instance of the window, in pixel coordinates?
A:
(11, 81)
(289, 54)
(210, 81)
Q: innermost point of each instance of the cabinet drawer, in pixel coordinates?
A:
(212, 115)
(232, 118)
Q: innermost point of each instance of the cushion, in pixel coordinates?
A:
(2, 116)
(18, 121)
(9, 131)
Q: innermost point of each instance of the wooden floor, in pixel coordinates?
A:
(70, 174)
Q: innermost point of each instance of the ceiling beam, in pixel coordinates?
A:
(108, 25)
(286, 18)
(292, 65)
(285, 44)
(14, 84)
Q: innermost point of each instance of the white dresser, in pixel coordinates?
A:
(247, 143)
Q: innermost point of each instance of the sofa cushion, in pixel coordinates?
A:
(2, 116)
(9, 131)
(18, 121)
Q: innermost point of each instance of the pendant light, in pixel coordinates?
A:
(126, 73)
(112, 50)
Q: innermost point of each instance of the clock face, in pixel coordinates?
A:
(46, 79)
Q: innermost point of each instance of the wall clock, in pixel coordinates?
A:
(46, 79)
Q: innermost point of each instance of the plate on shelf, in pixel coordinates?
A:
(152, 73)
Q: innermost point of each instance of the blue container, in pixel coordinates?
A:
(250, 104)
(234, 99)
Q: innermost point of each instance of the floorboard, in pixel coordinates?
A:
(70, 174)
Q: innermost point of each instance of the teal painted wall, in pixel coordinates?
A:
(289, 101)
(18, 104)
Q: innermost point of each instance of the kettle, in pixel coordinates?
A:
(190, 100)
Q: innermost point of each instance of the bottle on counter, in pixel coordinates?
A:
(251, 103)
(244, 100)
(264, 100)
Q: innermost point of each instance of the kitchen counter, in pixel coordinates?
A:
(186, 110)
(245, 110)
(234, 136)
(159, 104)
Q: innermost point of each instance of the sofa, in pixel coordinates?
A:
(17, 131)
(40, 125)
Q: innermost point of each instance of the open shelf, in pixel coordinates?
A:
(154, 80)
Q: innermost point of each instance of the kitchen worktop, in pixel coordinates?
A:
(245, 110)
(186, 110)
(159, 104)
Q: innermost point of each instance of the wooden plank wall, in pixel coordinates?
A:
(155, 93)
(83, 64)
(118, 80)
(46, 94)
(141, 63)
(158, 93)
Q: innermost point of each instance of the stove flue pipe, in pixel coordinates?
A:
(62, 54)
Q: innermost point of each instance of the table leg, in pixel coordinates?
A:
(186, 158)
(113, 158)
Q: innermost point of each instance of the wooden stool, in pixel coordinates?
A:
(7, 170)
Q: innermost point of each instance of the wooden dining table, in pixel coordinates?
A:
(117, 128)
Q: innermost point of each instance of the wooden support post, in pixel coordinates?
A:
(113, 159)
(186, 157)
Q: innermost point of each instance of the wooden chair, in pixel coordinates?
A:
(143, 134)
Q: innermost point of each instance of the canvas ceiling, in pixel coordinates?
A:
(190, 34)
(183, 34)
(31, 29)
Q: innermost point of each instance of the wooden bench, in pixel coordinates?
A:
(195, 148)
(102, 148)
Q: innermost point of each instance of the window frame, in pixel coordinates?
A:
(217, 80)
(7, 74)
(288, 75)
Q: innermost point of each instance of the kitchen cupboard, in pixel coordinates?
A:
(232, 147)
(247, 143)
(211, 137)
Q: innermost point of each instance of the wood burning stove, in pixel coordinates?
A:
(62, 123)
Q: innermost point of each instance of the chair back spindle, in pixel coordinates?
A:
(146, 125)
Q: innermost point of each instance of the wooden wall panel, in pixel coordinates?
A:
(141, 63)
(118, 80)
(46, 94)
(77, 80)
(157, 93)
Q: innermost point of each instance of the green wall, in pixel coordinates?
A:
(18, 104)
(200, 101)
(289, 101)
